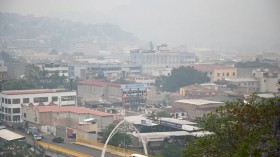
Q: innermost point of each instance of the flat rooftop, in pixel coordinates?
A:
(99, 83)
(162, 134)
(140, 120)
(73, 109)
(178, 121)
(198, 101)
(242, 80)
(9, 135)
(34, 91)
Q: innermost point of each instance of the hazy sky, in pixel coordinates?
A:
(224, 24)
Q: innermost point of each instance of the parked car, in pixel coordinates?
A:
(38, 137)
(58, 140)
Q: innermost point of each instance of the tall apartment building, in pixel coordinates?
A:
(268, 80)
(11, 101)
(152, 62)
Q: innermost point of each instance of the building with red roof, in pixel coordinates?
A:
(11, 101)
(80, 119)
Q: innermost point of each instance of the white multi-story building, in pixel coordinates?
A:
(154, 61)
(52, 68)
(268, 80)
(11, 101)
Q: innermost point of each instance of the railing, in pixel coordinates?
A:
(62, 150)
(109, 147)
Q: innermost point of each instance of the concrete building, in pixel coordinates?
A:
(152, 62)
(134, 95)
(149, 80)
(11, 101)
(268, 80)
(196, 107)
(250, 84)
(66, 116)
(107, 68)
(198, 91)
(92, 90)
(74, 120)
(52, 68)
(216, 72)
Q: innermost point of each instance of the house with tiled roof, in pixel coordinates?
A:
(80, 119)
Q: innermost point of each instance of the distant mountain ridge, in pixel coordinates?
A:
(28, 27)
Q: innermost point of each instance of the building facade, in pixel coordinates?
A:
(11, 101)
(196, 107)
(268, 80)
(216, 72)
(92, 90)
(154, 61)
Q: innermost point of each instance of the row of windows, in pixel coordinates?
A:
(252, 83)
(9, 110)
(15, 118)
(37, 99)
(223, 74)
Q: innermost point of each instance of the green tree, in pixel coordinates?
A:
(119, 139)
(181, 77)
(41, 78)
(171, 150)
(163, 114)
(19, 84)
(239, 129)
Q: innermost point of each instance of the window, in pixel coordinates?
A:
(3, 100)
(16, 118)
(40, 99)
(233, 74)
(25, 100)
(218, 74)
(6, 101)
(227, 74)
(7, 110)
(24, 115)
(68, 98)
(223, 74)
(16, 101)
(54, 98)
(9, 101)
(16, 110)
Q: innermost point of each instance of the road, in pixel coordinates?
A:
(66, 144)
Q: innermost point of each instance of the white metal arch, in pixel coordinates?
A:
(114, 131)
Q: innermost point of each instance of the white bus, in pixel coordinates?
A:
(137, 155)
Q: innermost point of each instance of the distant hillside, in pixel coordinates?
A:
(59, 31)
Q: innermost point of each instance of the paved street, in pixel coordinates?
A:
(66, 144)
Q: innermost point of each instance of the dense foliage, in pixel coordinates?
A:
(19, 84)
(43, 79)
(119, 139)
(181, 77)
(35, 78)
(240, 129)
